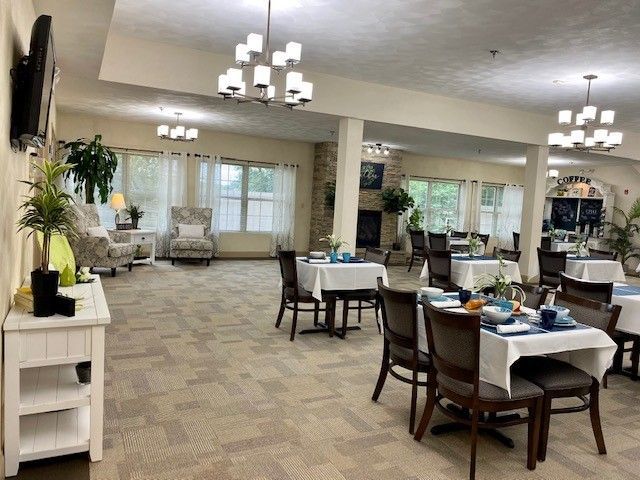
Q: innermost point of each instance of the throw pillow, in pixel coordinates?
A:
(100, 231)
(190, 231)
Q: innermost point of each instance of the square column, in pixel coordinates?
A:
(345, 212)
(535, 184)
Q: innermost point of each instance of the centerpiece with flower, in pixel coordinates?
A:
(499, 283)
(335, 242)
(474, 246)
(580, 248)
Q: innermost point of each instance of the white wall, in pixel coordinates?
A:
(143, 136)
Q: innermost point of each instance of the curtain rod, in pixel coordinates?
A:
(458, 180)
(258, 163)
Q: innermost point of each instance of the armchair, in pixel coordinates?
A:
(200, 248)
(98, 252)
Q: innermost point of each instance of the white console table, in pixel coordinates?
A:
(141, 237)
(47, 413)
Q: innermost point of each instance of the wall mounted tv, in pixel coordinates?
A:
(33, 87)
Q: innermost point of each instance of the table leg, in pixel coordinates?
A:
(329, 325)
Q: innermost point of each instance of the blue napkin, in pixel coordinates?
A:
(625, 290)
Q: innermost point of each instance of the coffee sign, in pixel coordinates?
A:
(574, 179)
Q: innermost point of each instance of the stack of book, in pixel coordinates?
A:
(24, 298)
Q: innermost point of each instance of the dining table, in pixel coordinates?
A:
(595, 269)
(454, 243)
(628, 297)
(465, 269)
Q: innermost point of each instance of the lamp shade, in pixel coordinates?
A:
(306, 93)
(117, 201)
(223, 85)
(254, 43)
(279, 59)
(566, 141)
(192, 134)
(606, 117)
(555, 139)
(553, 173)
(615, 138)
(293, 51)
(589, 113)
(294, 82)
(577, 136)
(579, 119)
(163, 130)
(564, 117)
(589, 142)
(291, 99)
(600, 135)
(173, 133)
(179, 131)
(271, 92)
(261, 76)
(242, 53)
(234, 79)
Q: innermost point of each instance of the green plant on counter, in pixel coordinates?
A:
(621, 235)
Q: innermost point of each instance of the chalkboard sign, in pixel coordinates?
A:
(564, 213)
(590, 211)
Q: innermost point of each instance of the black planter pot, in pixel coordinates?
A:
(44, 287)
(83, 371)
(396, 247)
(134, 223)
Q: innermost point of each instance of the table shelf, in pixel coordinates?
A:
(52, 388)
(52, 434)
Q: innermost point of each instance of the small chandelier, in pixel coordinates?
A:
(586, 137)
(179, 133)
(378, 149)
(251, 54)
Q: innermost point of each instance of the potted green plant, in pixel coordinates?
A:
(498, 283)
(415, 220)
(94, 167)
(135, 214)
(46, 210)
(474, 246)
(398, 201)
(335, 242)
(621, 235)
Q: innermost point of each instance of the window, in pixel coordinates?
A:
(439, 200)
(246, 197)
(490, 208)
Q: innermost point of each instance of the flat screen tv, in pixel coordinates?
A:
(33, 86)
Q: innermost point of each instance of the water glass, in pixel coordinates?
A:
(464, 295)
(547, 318)
(346, 257)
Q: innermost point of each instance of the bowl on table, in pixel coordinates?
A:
(561, 312)
(317, 255)
(431, 292)
(496, 314)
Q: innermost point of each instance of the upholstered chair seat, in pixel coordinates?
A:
(520, 389)
(191, 247)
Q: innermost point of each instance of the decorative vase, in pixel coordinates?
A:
(333, 257)
(67, 277)
(44, 287)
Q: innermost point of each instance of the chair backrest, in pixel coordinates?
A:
(590, 312)
(439, 264)
(437, 241)
(535, 295)
(191, 216)
(455, 234)
(513, 255)
(603, 254)
(484, 238)
(399, 317)
(551, 263)
(417, 239)
(377, 255)
(516, 241)
(86, 216)
(545, 243)
(598, 291)
(454, 344)
(288, 269)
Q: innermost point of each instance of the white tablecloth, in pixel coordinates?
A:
(596, 270)
(463, 272)
(562, 246)
(629, 320)
(339, 276)
(452, 243)
(590, 350)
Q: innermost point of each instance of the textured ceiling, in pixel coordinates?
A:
(437, 46)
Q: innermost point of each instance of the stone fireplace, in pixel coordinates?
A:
(369, 226)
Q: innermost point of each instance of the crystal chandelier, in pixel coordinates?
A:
(179, 133)
(586, 136)
(264, 63)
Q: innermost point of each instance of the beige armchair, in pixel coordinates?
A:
(98, 252)
(199, 248)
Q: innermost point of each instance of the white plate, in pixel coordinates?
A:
(493, 325)
(564, 325)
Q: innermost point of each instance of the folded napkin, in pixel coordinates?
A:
(513, 328)
(447, 304)
(319, 260)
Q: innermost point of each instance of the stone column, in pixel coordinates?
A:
(345, 212)
(535, 173)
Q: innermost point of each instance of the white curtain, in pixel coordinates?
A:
(172, 192)
(284, 205)
(474, 210)
(208, 189)
(511, 215)
(464, 195)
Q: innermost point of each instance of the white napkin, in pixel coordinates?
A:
(319, 260)
(447, 304)
(513, 328)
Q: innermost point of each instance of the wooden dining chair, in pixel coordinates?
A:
(603, 254)
(545, 243)
(437, 241)
(366, 299)
(454, 346)
(559, 379)
(294, 294)
(484, 238)
(516, 241)
(400, 347)
(513, 255)
(550, 264)
(535, 296)
(417, 247)
(455, 234)
(439, 264)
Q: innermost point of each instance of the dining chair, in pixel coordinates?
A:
(484, 238)
(550, 264)
(559, 379)
(603, 254)
(294, 294)
(516, 241)
(545, 243)
(454, 346)
(400, 346)
(455, 234)
(513, 255)
(366, 299)
(417, 246)
(534, 295)
(439, 264)
(437, 241)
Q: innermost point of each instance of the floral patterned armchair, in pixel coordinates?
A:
(98, 252)
(200, 248)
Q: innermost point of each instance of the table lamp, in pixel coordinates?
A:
(117, 203)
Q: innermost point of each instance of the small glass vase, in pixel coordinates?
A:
(333, 257)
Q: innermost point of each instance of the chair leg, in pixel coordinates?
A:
(377, 308)
(534, 434)
(208, 262)
(545, 418)
(594, 413)
(113, 272)
(173, 261)
(345, 314)
(384, 369)
(618, 357)
(414, 398)
(635, 358)
(410, 263)
(316, 313)
(359, 311)
(428, 407)
(130, 265)
(281, 312)
(294, 321)
(474, 443)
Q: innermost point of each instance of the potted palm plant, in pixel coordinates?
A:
(46, 210)
(135, 214)
(398, 201)
(95, 165)
(621, 235)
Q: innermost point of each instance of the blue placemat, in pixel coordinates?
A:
(626, 290)
(583, 259)
(532, 331)
(354, 260)
(578, 326)
(477, 257)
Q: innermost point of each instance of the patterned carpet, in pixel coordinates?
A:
(200, 385)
